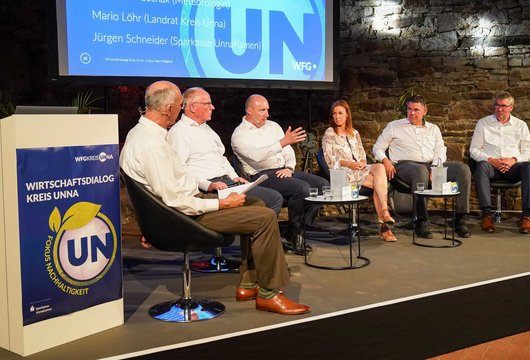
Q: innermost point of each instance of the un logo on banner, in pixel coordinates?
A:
(84, 247)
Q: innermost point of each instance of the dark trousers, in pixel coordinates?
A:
(262, 257)
(412, 172)
(294, 189)
(485, 172)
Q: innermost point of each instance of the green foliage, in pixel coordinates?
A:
(401, 102)
(7, 106)
(85, 102)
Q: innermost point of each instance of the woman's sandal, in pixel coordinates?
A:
(386, 234)
(388, 219)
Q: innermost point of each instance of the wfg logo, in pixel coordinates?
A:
(83, 249)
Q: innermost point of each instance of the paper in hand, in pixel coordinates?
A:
(241, 189)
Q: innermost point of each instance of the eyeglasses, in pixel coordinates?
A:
(502, 106)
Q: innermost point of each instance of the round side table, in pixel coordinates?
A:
(360, 261)
(436, 194)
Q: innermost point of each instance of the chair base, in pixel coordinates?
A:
(186, 310)
(497, 216)
(216, 264)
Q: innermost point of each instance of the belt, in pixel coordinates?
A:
(223, 178)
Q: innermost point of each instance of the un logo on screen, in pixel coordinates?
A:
(84, 247)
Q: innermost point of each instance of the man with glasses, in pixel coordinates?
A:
(501, 148)
(201, 152)
(413, 146)
(147, 158)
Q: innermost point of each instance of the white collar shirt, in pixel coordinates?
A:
(405, 141)
(200, 151)
(259, 149)
(493, 139)
(149, 159)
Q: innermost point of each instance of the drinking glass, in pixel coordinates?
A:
(420, 186)
(313, 192)
(326, 191)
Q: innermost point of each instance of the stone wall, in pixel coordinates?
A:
(455, 53)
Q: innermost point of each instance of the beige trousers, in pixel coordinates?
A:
(262, 257)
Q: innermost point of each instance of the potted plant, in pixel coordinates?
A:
(85, 101)
(7, 106)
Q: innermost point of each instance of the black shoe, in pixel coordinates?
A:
(462, 231)
(422, 229)
(460, 228)
(299, 247)
(287, 246)
(297, 243)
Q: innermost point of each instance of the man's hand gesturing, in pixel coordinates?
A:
(293, 136)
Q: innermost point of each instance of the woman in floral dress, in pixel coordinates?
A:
(342, 143)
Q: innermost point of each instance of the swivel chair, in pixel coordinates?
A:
(168, 229)
(238, 167)
(218, 263)
(499, 186)
(323, 168)
(401, 194)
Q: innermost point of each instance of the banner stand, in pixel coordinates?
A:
(61, 233)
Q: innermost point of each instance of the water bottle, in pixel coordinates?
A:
(338, 179)
(439, 176)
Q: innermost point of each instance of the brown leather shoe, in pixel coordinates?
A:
(524, 225)
(282, 305)
(243, 294)
(487, 224)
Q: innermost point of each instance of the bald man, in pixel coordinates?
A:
(264, 148)
(201, 151)
(149, 159)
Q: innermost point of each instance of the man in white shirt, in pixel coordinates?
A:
(149, 159)
(201, 151)
(501, 148)
(263, 148)
(413, 146)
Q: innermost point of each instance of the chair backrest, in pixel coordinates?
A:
(238, 167)
(322, 165)
(167, 228)
(472, 163)
(400, 186)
